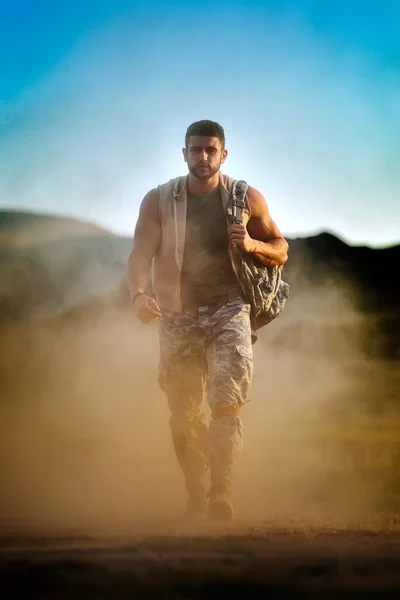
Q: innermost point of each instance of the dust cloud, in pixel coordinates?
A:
(85, 446)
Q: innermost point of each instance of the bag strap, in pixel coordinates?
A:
(238, 195)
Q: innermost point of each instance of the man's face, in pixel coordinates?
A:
(204, 156)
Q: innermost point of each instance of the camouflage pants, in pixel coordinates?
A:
(207, 350)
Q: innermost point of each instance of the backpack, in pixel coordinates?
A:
(262, 285)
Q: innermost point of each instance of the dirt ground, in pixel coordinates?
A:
(205, 562)
(87, 461)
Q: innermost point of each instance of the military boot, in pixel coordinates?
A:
(220, 506)
(197, 504)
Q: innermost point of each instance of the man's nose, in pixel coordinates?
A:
(203, 155)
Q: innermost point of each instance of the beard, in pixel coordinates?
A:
(204, 174)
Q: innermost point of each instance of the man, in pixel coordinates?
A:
(205, 330)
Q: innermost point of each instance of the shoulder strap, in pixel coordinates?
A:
(237, 201)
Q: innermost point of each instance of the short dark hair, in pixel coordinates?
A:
(206, 128)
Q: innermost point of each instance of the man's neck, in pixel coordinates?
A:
(202, 187)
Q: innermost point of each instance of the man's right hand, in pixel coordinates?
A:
(146, 309)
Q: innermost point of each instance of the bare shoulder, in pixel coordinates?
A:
(150, 205)
(261, 226)
(148, 225)
(257, 203)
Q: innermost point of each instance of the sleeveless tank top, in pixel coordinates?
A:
(207, 275)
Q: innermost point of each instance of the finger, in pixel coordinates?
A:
(147, 315)
(153, 314)
(153, 305)
(155, 317)
(148, 319)
(150, 307)
(237, 229)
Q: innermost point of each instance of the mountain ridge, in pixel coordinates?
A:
(14, 219)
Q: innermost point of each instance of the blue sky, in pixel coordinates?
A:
(95, 99)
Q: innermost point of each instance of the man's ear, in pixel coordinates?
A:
(184, 152)
(224, 155)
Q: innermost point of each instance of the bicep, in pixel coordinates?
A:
(261, 226)
(147, 234)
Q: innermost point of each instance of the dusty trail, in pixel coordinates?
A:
(313, 564)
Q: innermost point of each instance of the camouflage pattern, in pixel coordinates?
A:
(207, 350)
(262, 285)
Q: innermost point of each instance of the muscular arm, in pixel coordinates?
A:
(262, 236)
(145, 244)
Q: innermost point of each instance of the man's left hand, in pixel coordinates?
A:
(239, 236)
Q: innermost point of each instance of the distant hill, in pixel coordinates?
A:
(372, 271)
(50, 265)
(20, 227)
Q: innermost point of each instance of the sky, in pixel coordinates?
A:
(96, 97)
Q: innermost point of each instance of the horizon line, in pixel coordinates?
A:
(112, 231)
